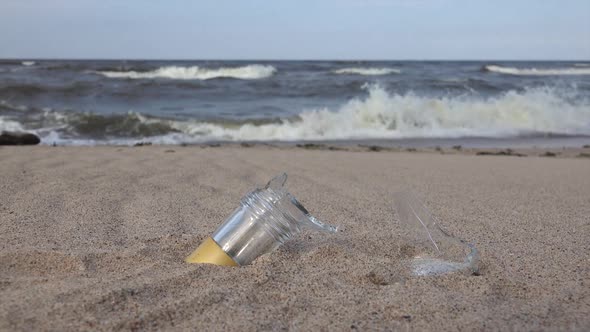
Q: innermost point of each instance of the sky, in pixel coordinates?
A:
(303, 29)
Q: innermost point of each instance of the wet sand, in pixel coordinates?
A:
(94, 238)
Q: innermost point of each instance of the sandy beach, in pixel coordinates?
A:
(95, 238)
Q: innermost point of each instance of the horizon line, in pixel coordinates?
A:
(278, 60)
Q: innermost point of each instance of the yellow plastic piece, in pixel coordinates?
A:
(209, 252)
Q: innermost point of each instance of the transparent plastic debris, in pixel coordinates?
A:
(265, 219)
(434, 251)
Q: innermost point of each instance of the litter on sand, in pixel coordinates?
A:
(268, 217)
(265, 219)
(437, 252)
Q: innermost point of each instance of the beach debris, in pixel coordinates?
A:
(375, 148)
(435, 252)
(548, 154)
(265, 219)
(314, 146)
(507, 152)
(18, 138)
(311, 146)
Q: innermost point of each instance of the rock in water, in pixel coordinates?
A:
(18, 138)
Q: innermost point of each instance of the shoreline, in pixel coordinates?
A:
(467, 142)
(448, 147)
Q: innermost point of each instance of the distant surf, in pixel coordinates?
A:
(249, 72)
(579, 70)
(366, 71)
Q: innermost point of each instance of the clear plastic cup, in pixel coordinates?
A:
(265, 219)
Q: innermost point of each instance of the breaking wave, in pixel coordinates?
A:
(384, 115)
(379, 115)
(28, 63)
(366, 71)
(9, 125)
(579, 70)
(248, 72)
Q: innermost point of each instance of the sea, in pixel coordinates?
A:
(122, 102)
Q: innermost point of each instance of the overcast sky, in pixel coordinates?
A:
(303, 29)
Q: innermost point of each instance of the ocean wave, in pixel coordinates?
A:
(8, 107)
(366, 71)
(197, 73)
(82, 66)
(35, 89)
(64, 66)
(7, 124)
(9, 62)
(382, 115)
(537, 72)
(22, 89)
(379, 115)
(28, 63)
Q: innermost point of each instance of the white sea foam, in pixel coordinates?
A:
(537, 72)
(385, 115)
(12, 107)
(366, 71)
(248, 72)
(28, 63)
(7, 124)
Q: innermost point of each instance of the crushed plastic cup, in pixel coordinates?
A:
(435, 251)
(265, 219)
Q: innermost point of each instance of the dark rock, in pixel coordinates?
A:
(18, 138)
